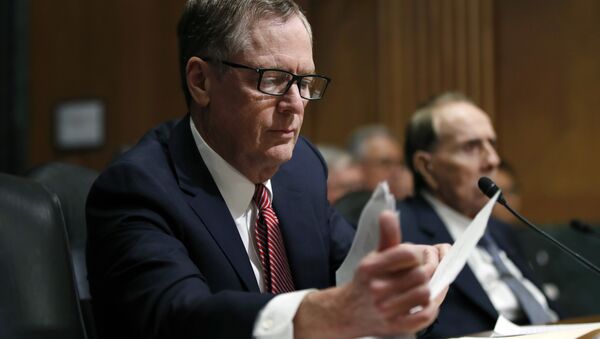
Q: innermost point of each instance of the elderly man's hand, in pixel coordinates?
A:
(388, 295)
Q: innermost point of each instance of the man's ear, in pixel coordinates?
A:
(198, 82)
(424, 166)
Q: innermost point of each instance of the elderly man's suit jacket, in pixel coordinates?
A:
(467, 308)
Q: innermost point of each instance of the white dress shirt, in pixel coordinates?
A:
(481, 264)
(275, 320)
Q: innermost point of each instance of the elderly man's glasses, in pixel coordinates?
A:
(277, 82)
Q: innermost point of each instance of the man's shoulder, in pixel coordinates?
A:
(148, 160)
(153, 143)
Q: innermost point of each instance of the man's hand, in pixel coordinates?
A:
(388, 295)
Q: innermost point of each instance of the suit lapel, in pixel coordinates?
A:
(206, 201)
(298, 224)
(430, 223)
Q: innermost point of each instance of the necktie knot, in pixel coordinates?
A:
(261, 196)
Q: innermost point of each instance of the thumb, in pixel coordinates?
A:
(389, 230)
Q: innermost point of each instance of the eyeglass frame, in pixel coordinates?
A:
(295, 77)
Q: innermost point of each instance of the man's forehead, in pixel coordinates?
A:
(269, 44)
(462, 121)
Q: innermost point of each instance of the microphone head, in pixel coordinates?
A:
(580, 226)
(489, 188)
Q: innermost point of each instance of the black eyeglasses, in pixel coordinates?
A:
(277, 82)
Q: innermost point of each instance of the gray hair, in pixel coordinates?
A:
(420, 132)
(219, 28)
(334, 157)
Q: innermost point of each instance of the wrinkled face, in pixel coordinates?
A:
(464, 153)
(253, 131)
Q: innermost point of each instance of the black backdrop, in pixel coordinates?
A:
(13, 85)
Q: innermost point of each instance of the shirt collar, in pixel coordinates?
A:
(236, 189)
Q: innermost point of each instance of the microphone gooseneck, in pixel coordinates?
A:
(489, 188)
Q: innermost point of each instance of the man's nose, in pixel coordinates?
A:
(491, 155)
(291, 101)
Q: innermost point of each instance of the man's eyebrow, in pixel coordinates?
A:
(301, 71)
(478, 141)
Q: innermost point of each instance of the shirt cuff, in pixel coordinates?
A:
(275, 320)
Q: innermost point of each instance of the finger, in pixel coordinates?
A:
(431, 258)
(430, 254)
(389, 230)
(440, 297)
(387, 287)
(414, 322)
(402, 304)
(392, 260)
(443, 250)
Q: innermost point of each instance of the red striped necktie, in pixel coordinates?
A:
(269, 243)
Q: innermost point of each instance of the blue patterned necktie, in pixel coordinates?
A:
(534, 311)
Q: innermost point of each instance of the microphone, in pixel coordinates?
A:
(582, 227)
(489, 188)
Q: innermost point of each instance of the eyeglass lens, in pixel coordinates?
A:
(278, 82)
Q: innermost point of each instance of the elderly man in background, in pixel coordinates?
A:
(450, 144)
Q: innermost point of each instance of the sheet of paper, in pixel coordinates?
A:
(366, 238)
(505, 327)
(564, 334)
(456, 258)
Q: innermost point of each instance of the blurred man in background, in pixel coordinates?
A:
(450, 144)
(343, 174)
(379, 156)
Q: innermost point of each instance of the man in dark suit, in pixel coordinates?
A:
(218, 226)
(450, 144)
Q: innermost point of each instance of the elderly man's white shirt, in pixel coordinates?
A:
(480, 262)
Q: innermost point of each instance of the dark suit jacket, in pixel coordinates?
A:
(164, 256)
(467, 308)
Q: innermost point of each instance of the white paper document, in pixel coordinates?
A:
(456, 258)
(505, 327)
(366, 238)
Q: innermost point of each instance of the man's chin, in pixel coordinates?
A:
(281, 153)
